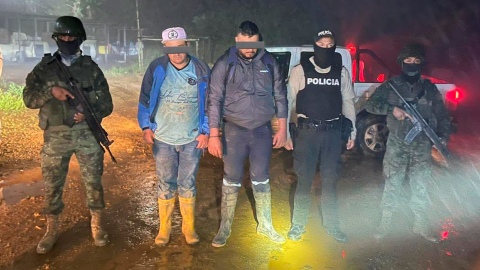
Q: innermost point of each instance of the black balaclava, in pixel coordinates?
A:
(323, 57)
(69, 48)
(411, 72)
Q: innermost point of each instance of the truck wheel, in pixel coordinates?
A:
(372, 135)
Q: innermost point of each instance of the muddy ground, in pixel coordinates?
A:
(131, 216)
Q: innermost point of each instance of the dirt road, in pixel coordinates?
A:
(132, 218)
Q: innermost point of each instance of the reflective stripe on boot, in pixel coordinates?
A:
(99, 234)
(165, 210)
(229, 201)
(263, 206)
(187, 208)
(50, 237)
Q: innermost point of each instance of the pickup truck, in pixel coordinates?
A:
(368, 72)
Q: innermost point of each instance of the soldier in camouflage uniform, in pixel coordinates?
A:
(46, 89)
(402, 159)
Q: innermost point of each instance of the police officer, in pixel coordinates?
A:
(46, 89)
(322, 92)
(402, 159)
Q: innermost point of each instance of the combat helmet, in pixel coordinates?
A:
(412, 50)
(69, 26)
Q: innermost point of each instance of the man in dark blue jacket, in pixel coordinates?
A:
(246, 90)
(172, 116)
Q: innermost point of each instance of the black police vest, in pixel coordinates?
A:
(321, 99)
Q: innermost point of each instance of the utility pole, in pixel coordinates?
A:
(139, 40)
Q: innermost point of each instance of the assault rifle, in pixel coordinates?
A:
(419, 125)
(81, 105)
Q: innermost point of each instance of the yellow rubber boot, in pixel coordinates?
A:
(187, 208)
(165, 210)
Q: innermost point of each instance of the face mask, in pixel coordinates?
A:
(69, 48)
(323, 56)
(411, 69)
(411, 72)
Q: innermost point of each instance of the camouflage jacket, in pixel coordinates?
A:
(47, 74)
(423, 94)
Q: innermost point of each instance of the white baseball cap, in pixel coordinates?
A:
(173, 34)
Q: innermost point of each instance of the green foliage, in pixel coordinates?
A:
(124, 70)
(151, 51)
(11, 99)
(86, 9)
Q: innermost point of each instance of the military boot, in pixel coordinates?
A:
(384, 227)
(337, 234)
(420, 227)
(99, 234)
(50, 237)
(263, 206)
(296, 232)
(187, 208)
(165, 210)
(229, 201)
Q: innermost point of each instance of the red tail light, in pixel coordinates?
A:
(361, 75)
(381, 77)
(454, 95)
(352, 49)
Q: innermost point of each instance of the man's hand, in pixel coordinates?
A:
(61, 93)
(350, 144)
(443, 141)
(215, 147)
(279, 139)
(202, 141)
(148, 136)
(400, 114)
(289, 144)
(78, 117)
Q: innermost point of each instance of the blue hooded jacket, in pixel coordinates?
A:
(150, 93)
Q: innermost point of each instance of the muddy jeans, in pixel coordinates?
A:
(58, 148)
(177, 167)
(240, 143)
(309, 146)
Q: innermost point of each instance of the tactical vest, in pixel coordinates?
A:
(56, 112)
(321, 99)
(420, 96)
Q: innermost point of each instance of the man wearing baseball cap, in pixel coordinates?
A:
(322, 94)
(171, 113)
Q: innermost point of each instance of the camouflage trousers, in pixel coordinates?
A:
(413, 161)
(56, 153)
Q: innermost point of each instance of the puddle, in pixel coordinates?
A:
(14, 194)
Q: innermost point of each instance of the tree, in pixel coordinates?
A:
(86, 9)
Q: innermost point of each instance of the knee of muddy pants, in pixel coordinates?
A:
(92, 178)
(54, 172)
(187, 191)
(166, 191)
(189, 159)
(95, 195)
(166, 164)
